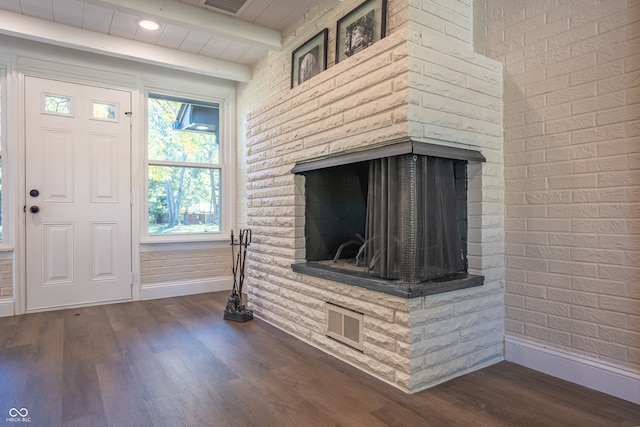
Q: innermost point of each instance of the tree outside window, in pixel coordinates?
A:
(2, 139)
(184, 171)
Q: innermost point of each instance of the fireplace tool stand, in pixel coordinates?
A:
(235, 310)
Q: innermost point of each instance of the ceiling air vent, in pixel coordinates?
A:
(344, 325)
(231, 6)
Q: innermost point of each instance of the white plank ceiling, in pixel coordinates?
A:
(187, 26)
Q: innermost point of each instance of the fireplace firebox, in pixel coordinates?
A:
(391, 218)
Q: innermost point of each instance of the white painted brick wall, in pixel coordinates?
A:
(423, 80)
(175, 266)
(572, 174)
(6, 279)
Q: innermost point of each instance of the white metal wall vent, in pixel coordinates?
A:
(344, 325)
(231, 6)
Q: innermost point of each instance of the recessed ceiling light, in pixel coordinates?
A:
(148, 25)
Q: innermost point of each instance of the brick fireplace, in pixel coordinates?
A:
(418, 85)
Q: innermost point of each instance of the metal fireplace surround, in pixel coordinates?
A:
(390, 218)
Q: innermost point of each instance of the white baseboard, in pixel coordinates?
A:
(175, 289)
(590, 373)
(6, 307)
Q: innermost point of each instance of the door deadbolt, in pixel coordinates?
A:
(34, 193)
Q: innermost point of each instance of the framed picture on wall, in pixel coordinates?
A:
(360, 28)
(309, 59)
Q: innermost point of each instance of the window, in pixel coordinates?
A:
(55, 104)
(2, 137)
(104, 111)
(185, 170)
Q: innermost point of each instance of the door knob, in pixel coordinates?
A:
(34, 209)
(34, 193)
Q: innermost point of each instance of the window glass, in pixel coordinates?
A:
(184, 184)
(183, 132)
(0, 197)
(57, 104)
(183, 200)
(103, 111)
(1, 112)
(2, 142)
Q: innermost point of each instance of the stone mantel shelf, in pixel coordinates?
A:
(390, 287)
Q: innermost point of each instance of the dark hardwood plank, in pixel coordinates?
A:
(15, 368)
(332, 396)
(257, 398)
(534, 404)
(81, 396)
(25, 330)
(398, 416)
(45, 373)
(45, 409)
(176, 362)
(96, 420)
(144, 366)
(187, 369)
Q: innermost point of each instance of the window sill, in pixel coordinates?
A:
(6, 252)
(164, 245)
(390, 287)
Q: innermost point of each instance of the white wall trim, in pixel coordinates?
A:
(175, 289)
(590, 373)
(6, 307)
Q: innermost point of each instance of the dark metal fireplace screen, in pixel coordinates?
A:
(399, 218)
(416, 226)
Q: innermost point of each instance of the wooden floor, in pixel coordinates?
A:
(175, 362)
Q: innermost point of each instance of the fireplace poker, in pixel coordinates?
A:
(245, 240)
(233, 262)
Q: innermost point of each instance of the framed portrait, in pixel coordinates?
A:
(309, 59)
(360, 28)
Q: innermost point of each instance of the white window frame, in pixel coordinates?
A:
(226, 137)
(6, 242)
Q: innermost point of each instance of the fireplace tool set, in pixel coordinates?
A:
(235, 310)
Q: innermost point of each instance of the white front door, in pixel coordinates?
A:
(78, 209)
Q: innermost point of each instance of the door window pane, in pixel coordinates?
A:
(103, 111)
(56, 104)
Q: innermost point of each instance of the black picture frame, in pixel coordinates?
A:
(309, 59)
(360, 28)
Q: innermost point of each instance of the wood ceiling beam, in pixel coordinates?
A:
(171, 11)
(39, 30)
